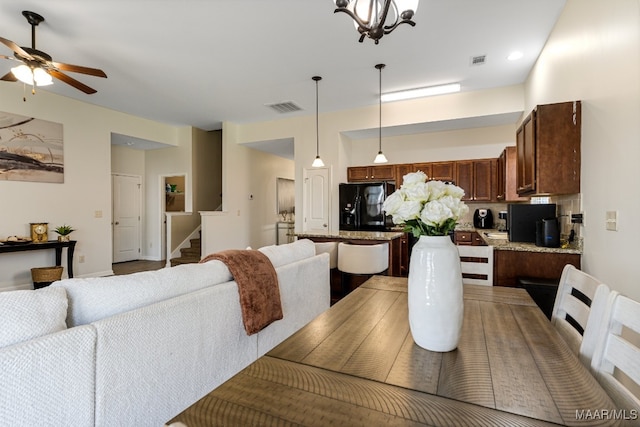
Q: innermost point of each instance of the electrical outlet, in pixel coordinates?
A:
(611, 222)
(97, 214)
(81, 259)
(567, 218)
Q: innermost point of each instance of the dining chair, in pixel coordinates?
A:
(476, 264)
(578, 311)
(616, 360)
(361, 260)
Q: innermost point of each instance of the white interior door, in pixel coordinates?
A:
(316, 200)
(126, 217)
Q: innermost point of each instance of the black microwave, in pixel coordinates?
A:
(522, 218)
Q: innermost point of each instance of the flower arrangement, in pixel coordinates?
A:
(426, 208)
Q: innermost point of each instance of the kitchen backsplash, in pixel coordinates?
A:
(569, 203)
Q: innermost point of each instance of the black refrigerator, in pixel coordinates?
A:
(361, 206)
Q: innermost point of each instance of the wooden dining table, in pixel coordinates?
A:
(357, 365)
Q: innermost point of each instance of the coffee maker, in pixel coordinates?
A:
(483, 218)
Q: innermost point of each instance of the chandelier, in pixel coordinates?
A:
(370, 16)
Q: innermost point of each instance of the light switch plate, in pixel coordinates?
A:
(612, 221)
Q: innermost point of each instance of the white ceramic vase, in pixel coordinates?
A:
(435, 294)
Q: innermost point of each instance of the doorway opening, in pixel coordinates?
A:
(174, 188)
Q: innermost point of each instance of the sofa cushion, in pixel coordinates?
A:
(25, 315)
(91, 299)
(280, 255)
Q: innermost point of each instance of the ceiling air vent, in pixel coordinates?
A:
(478, 60)
(284, 107)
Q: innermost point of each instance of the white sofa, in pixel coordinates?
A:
(138, 349)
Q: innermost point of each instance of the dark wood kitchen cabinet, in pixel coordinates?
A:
(476, 178)
(509, 265)
(468, 238)
(400, 171)
(371, 173)
(442, 171)
(548, 150)
(506, 184)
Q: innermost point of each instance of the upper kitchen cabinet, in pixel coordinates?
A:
(506, 177)
(442, 171)
(400, 171)
(371, 173)
(548, 150)
(476, 178)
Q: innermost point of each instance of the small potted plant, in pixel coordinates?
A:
(63, 231)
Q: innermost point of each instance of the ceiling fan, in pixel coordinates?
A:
(38, 68)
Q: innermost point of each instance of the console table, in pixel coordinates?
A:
(51, 244)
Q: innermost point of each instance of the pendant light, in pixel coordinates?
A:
(380, 158)
(317, 163)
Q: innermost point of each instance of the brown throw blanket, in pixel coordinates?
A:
(257, 285)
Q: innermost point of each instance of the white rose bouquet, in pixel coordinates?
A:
(426, 208)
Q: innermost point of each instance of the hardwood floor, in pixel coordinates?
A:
(136, 266)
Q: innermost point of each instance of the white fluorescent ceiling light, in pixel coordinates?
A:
(421, 92)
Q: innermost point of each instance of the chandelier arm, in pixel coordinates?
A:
(385, 11)
(353, 16)
(388, 29)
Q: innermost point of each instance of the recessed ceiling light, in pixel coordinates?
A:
(420, 92)
(514, 56)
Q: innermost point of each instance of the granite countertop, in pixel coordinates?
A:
(354, 235)
(505, 245)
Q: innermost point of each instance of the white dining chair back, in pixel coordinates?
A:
(579, 310)
(476, 264)
(332, 249)
(363, 259)
(616, 360)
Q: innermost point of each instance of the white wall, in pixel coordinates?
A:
(477, 143)
(593, 55)
(244, 221)
(86, 190)
(159, 163)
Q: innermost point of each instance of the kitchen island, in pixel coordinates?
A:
(394, 238)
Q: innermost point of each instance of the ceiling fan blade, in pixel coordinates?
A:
(79, 69)
(72, 82)
(9, 77)
(17, 49)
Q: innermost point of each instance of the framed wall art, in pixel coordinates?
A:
(30, 149)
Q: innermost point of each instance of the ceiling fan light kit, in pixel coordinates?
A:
(371, 16)
(32, 76)
(38, 68)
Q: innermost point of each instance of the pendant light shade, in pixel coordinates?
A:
(317, 163)
(380, 158)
